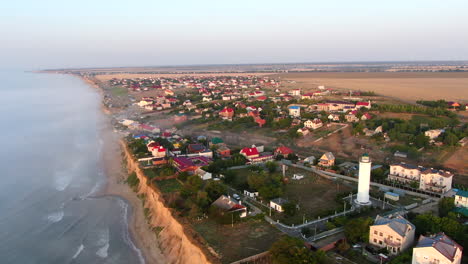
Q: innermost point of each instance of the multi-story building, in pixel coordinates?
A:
(314, 124)
(393, 233)
(433, 180)
(437, 249)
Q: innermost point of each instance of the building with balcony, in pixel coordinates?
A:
(396, 234)
(427, 179)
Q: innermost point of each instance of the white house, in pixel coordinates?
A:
(437, 249)
(434, 133)
(314, 124)
(204, 175)
(251, 193)
(278, 203)
(295, 92)
(295, 111)
(396, 234)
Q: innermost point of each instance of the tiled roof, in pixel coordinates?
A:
(398, 224)
(442, 243)
(249, 151)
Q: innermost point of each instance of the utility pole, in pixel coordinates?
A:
(232, 221)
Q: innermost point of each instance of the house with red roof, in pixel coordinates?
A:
(169, 92)
(159, 152)
(250, 153)
(227, 113)
(363, 104)
(283, 150)
(366, 116)
(262, 98)
(189, 164)
(261, 122)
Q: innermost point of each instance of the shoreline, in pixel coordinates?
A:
(115, 175)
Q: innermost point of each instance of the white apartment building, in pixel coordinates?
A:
(428, 179)
(396, 234)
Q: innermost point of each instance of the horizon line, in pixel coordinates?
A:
(254, 64)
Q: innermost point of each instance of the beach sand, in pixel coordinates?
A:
(143, 237)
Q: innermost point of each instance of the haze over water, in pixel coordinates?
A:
(51, 171)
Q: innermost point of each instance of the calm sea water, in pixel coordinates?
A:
(50, 168)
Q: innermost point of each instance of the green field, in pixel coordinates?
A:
(168, 186)
(118, 91)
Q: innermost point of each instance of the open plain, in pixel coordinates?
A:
(406, 86)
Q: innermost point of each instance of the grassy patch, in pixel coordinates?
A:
(168, 186)
(118, 91)
(244, 239)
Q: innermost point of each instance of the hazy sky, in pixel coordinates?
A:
(85, 33)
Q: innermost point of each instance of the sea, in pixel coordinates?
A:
(51, 172)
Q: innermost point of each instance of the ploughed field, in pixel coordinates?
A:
(407, 86)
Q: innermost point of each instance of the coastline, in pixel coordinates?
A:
(113, 164)
(142, 236)
(180, 244)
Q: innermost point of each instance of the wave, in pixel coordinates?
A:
(103, 243)
(77, 253)
(126, 233)
(62, 180)
(56, 216)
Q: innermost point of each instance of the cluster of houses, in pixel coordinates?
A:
(427, 179)
(349, 110)
(157, 103)
(396, 234)
(196, 82)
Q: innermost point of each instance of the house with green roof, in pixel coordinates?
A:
(461, 202)
(216, 141)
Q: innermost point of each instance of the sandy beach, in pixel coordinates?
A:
(143, 237)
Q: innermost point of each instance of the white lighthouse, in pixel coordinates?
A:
(364, 180)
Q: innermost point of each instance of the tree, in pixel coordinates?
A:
(256, 180)
(271, 166)
(421, 141)
(288, 250)
(215, 190)
(290, 208)
(357, 229)
(450, 139)
(292, 156)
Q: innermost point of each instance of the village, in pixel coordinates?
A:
(265, 159)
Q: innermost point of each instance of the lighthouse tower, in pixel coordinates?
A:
(364, 180)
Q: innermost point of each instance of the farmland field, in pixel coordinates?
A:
(406, 86)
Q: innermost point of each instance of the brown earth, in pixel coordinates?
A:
(459, 163)
(406, 86)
